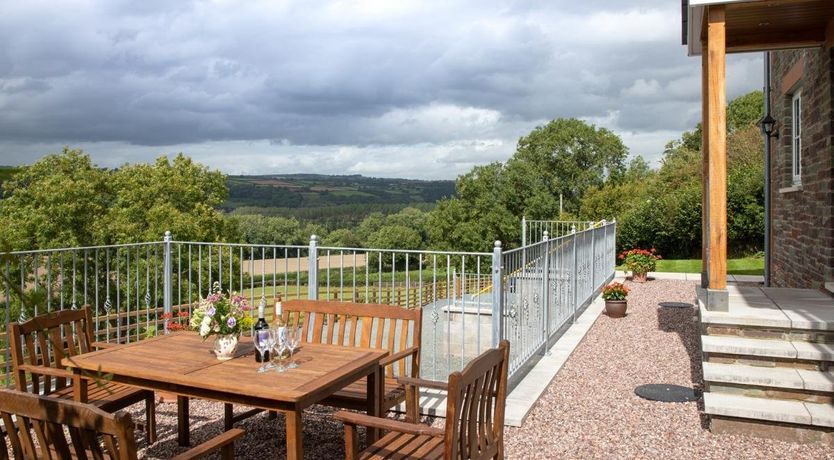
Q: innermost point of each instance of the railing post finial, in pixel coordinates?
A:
(545, 236)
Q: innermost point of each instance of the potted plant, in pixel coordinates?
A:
(640, 262)
(222, 316)
(615, 299)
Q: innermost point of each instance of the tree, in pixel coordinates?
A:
(59, 201)
(180, 196)
(259, 229)
(64, 200)
(566, 156)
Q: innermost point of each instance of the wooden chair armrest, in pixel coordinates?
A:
(353, 418)
(402, 354)
(44, 370)
(103, 345)
(226, 439)
(433, 384)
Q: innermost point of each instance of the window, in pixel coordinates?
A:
(796, 138)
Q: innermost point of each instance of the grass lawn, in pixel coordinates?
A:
(745, 266)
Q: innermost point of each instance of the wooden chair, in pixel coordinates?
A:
(363, 325)
(353, 324)
(474, 417)
(45, 427)
(39, 345)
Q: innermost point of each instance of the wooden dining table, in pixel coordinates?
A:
(184, 364)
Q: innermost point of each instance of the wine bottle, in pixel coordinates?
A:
(279, 310)
(261, 325)
(279, 321)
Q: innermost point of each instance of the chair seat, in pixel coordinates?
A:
(108, 397)
(394, 393)
(404, 446)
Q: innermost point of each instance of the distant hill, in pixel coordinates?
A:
(330, 199)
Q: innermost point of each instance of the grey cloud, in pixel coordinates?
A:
(399, 75)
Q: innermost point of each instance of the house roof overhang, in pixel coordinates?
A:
(762, 25)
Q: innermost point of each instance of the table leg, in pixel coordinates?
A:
(79, 386)
(182, 421)
(295, 432)
(374, 393)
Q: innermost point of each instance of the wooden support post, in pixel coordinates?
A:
(705, 165)
(717, 148)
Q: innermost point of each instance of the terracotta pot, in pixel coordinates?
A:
(616, 308)
(639, 277)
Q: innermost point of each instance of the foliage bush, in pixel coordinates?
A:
(640, 260)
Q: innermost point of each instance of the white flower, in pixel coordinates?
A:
(204, 329)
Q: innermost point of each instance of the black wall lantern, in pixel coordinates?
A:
(769, 127)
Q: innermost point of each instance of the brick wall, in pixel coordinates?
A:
(803, 222)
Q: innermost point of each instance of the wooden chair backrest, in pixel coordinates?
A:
(358, 325)
(475, 407)
(44, 341)
(35, 423)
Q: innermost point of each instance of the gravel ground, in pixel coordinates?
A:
(588, 411)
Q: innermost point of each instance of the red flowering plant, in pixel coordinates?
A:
(175, 322)
(640, 260)
(615, 291)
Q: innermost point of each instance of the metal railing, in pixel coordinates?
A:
(548, 284)
(129, 287)
(532, 231)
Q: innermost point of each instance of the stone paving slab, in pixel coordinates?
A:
(816, 380)
(821, 414)
(814, 351)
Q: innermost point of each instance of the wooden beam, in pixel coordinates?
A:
(742, 41)
(705, 162)
(829, 34)
(717, 146)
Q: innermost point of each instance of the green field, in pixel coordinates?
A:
(745, 266)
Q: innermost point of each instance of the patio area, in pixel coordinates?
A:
(588, 411)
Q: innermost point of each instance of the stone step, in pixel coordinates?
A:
(774, 410)
(733, 345)
(774, 308)
(773, 377)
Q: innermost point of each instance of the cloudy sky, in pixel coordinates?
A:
(419, 89)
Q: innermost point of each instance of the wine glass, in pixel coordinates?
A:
(279, 345)
(292, 343)
(263, 343)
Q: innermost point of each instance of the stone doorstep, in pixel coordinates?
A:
(774, 410)
(733, 345)
(750, 347)
(798, 309)
(774, 377)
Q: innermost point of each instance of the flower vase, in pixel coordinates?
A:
(224, 346)
(639, 277)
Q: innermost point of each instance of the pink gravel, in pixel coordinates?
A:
(590, 409)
